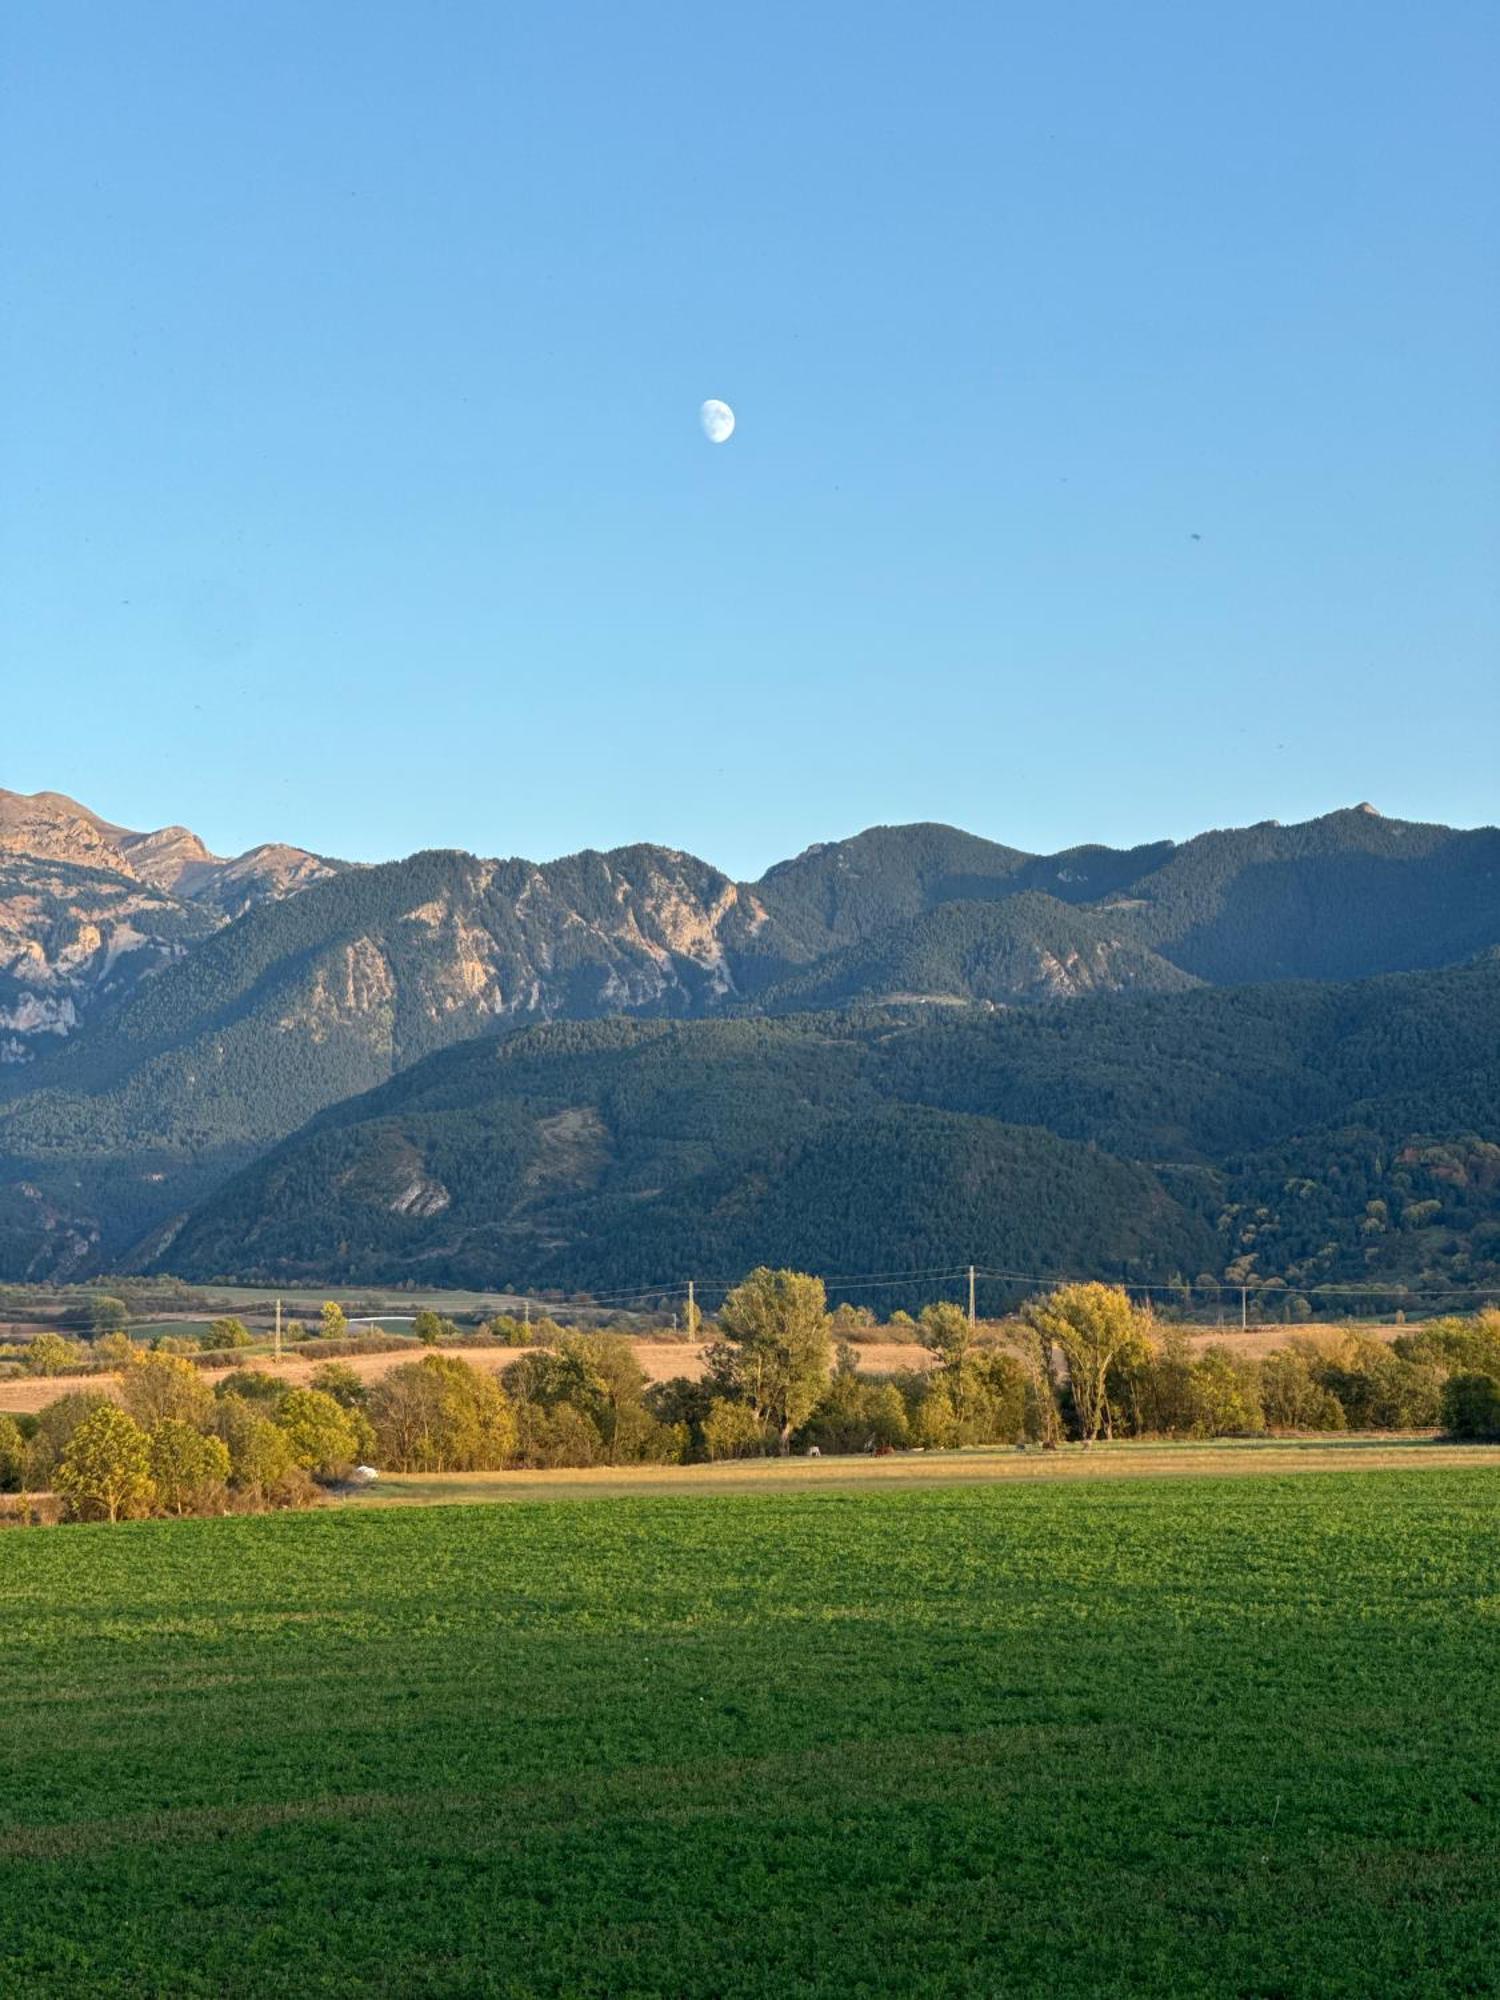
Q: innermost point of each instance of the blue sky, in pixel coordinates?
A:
(351, 489)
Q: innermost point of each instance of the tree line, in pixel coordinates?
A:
(1081, 1364)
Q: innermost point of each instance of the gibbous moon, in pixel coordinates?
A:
(717, 420)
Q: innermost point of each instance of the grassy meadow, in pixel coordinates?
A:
(1203, 1735)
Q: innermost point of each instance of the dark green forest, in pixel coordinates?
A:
(1193, 1015)
(1298, 1136)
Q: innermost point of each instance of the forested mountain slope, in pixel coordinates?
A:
(1026, 950)
(194, 1044)
(1304, 1133)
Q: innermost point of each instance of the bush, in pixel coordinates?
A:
(1380, 1389)
(1226, 1395)
(1471, 1406)
(262, 1467)
(255, 1385)
(337, 1379)
(732, 1430)
(54, 1427)
(1293, 1399)
(1467, 1346)
(226, 1333)
(107, 1314)
(50, 1354)
(12, 1456)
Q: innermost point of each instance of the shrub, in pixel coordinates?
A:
(262, 1466)
(225, 1333)
(1470, 1346)
(731, 1429)
(1380, 1389)
(12, 1456)
(54, 1427)
(1471, 1406)
(50, 1354)
(107, 1314)
(337, 1379)
(1226, 1395)
(1293, 1399)
(255, 1385)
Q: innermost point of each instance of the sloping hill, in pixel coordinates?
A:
(1028, 949)
(615, 1154)
(845, 890)
(1339, 897)
(1139, 1136)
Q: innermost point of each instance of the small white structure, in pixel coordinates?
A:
(363, 1475)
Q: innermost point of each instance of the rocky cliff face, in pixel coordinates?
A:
(87, 908)
(53, 827)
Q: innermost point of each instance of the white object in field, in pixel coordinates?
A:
(717, 420)
(364, 1475)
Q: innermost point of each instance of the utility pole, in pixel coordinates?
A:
(278, 1329)
(526, 1310)
(973, 1321)
(1244, 1309)
(692, 1311)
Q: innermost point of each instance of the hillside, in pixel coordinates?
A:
(156, 1048)
(1028, 949)
(1311, 1134)
(620, 1153)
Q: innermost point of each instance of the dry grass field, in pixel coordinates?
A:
(1219, 1459)
(661, 1359)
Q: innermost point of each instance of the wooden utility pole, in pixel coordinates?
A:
(278, 1329)
(692, 1311)
(1244, 1308)
(973, 1320)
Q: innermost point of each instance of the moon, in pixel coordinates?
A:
(717, 420)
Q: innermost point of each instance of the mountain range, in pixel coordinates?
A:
(172, 1021)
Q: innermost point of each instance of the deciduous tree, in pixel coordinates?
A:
(776, 1348)
(156, 1386)
(189, 1468)
(1091, 1325)
(105, 1473)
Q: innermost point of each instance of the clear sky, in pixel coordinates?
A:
(351, 485)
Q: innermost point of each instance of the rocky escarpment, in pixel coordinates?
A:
(71, 937)
(88, 908)
(52, 827)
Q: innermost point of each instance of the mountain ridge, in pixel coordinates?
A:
(196, 1055)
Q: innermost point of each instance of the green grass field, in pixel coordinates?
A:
(1200, 1736)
